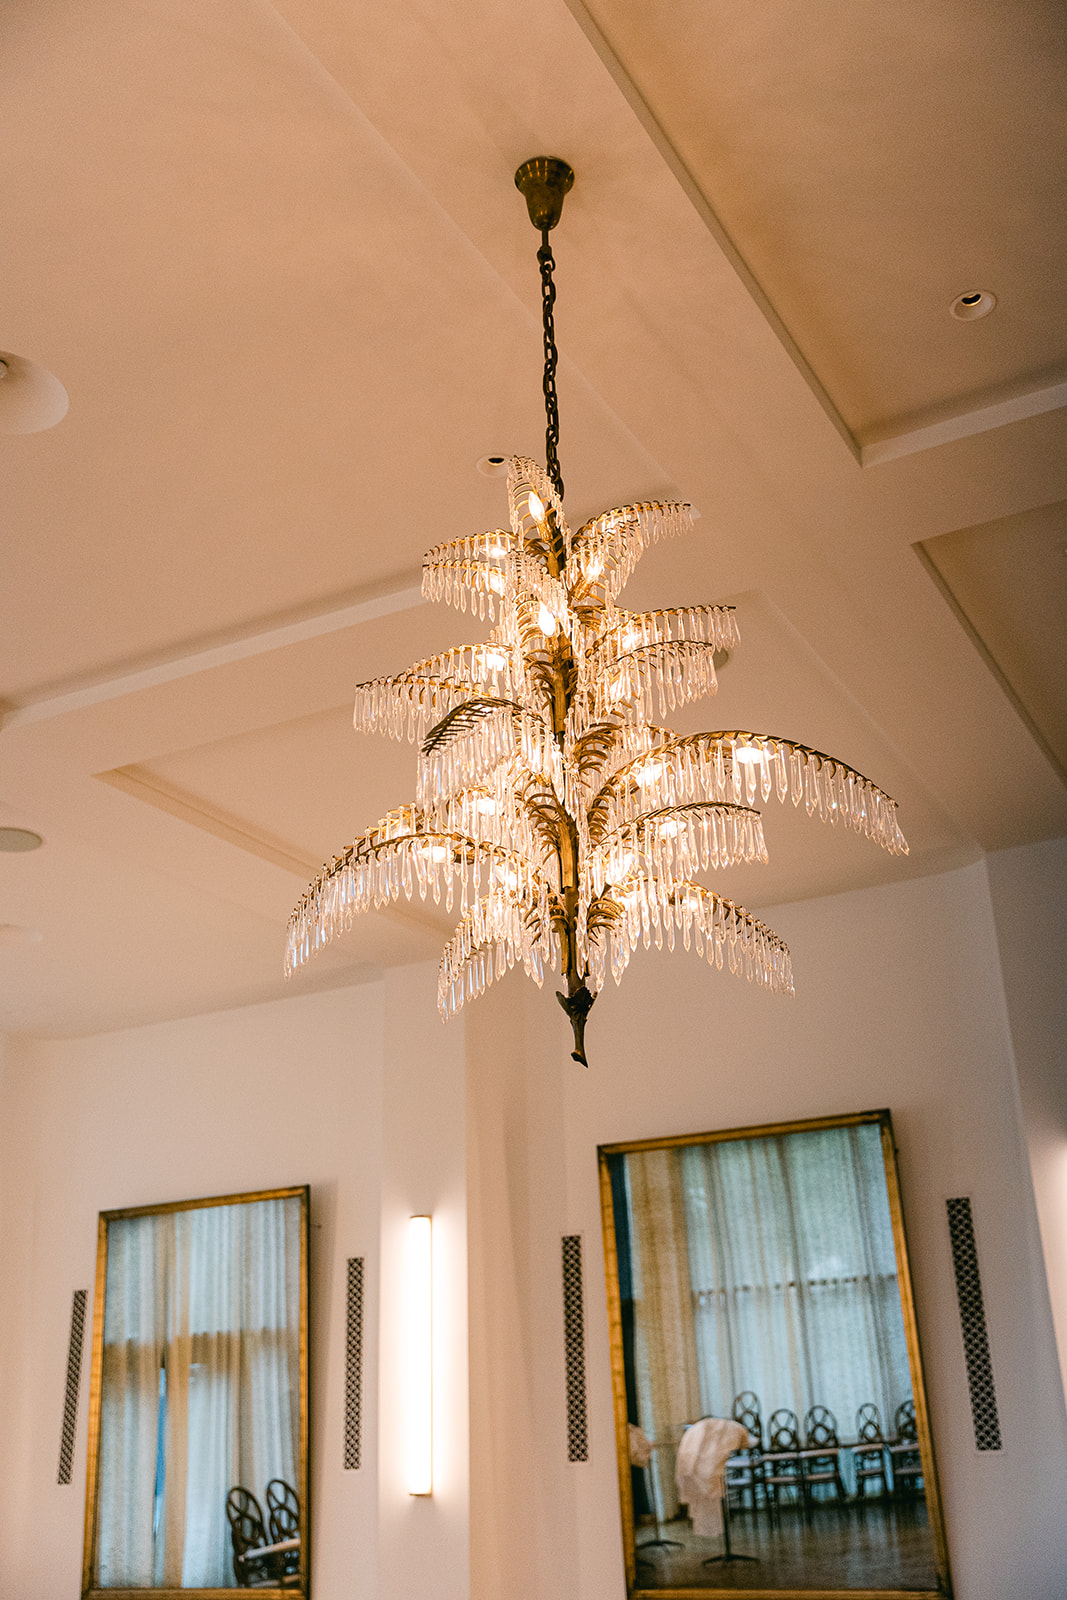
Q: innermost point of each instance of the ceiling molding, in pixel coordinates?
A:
(154, 791)
(238, 648)
(964, 424)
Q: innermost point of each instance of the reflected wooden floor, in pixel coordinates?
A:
(880, 1544)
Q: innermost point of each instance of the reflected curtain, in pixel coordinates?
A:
(764, 1264)
(665, 1351)
(211, 1296)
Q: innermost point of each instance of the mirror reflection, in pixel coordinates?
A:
(198, 1410)
(770, 1416)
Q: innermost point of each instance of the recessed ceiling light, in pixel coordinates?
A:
(972, 305)
(11, 933)
(31, 398)
(13, 839)
(493, 466)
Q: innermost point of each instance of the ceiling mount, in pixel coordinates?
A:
(543, 182)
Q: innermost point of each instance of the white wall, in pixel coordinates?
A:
(290, 1092)
(423, 1541)
(489, 1124)
(1029, 890)
(899, 1004)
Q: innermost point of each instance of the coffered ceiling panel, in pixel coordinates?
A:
(871, 162)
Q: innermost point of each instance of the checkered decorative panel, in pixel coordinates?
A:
(354, 1363)
(972, 1320)
(574, 1339)
(74, 1371)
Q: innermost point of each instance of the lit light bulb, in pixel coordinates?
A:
(594, 567)
(748, 755)
(494, 661)
(436, 852)
(629, 639)
(649, 774)
(496, 582)
(546, 621)
(486, 805)
(537, 507)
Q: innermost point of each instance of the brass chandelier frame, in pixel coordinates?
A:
(571, 822)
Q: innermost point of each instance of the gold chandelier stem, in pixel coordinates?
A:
(578, 1000)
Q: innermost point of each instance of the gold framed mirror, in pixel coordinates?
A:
(198, 1406)
(771, 1420)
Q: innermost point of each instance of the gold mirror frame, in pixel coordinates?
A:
(89, 1590)
(883, 1121)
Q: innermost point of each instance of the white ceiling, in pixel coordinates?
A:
(275, 255)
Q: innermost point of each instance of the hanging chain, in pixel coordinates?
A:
(548, 301)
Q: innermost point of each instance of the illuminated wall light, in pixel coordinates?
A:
(418, 1375)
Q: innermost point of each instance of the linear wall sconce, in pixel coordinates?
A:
(418, 1376)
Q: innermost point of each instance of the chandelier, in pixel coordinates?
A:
(564, 821)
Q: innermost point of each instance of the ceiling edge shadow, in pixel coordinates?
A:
(990, 661)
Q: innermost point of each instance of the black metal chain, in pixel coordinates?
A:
(548, 301)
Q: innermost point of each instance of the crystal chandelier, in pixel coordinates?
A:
(566, 823)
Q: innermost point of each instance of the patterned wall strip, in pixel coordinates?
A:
(354, 1364)
(74, 1372)
(972, 1320)
(574, 1341)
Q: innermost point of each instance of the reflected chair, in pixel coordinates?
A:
(904, 1455)
(744, 1470)
(254, 1566)
(257, 1564)
(780, 1461)
(283, 1513)
(283, 1510)
(869, 1454)
(820, 1459)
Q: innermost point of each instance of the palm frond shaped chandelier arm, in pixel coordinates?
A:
(565, 822)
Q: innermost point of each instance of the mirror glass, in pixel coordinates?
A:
(770, 1414)
(198, 1404)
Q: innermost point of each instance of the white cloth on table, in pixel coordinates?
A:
(700, 1470)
